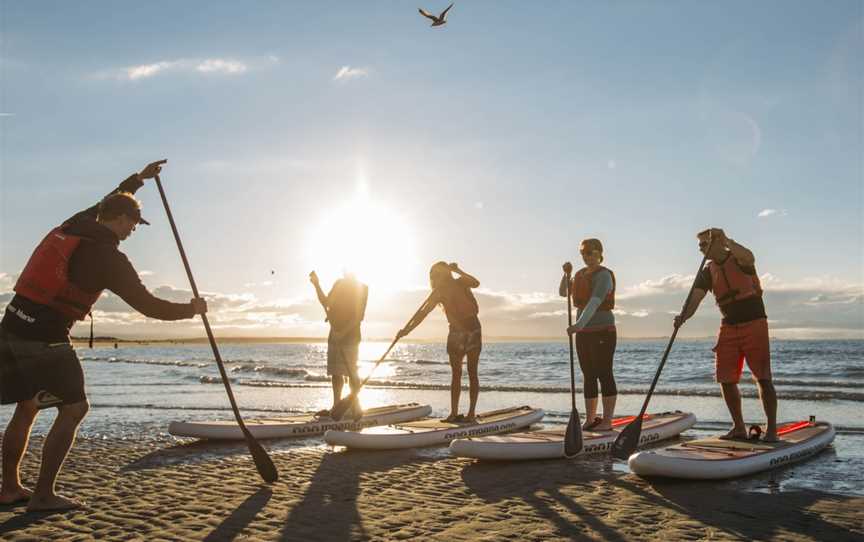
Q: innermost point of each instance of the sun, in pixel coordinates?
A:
(366, 237)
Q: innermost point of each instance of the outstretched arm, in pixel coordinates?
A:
(695, 299)
(322, 297)
(424, 311)
(131, 184)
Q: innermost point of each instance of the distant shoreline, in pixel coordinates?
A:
(109, 341)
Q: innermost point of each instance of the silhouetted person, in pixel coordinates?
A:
(62, 280)
(345, 306)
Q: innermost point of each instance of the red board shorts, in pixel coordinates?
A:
(737, 342)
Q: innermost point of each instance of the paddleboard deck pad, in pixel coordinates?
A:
(302, 425)
(549, 444)
(715, 458)
(432, 432)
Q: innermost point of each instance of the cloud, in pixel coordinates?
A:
(218, 65)
(813, 307)
(205, 66)
(347, 72)
(765, 213)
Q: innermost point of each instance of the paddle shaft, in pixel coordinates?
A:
(570, 340)
(249, 438)
(338, 409)
(672, 338)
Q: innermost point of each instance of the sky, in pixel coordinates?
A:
(320, 135)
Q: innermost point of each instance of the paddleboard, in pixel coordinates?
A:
(302, 425)
(713, 458)
(549, 444)
(432, 432)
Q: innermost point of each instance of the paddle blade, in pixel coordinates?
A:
(262, 460)
(573, 435)
(628, 440)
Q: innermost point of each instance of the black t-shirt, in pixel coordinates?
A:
(740, 311)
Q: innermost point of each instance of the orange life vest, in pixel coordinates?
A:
(45, 278)
(580, 289)
(730, 283)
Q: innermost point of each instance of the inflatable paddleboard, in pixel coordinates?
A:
(549, 444)
(713, 458)
(433, 432)
(302, 425)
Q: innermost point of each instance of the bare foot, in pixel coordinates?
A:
(591, 424)
(53, 503)
(15, 495)
(770, 437)
(734, 434)
(603, 426)
(470, 418)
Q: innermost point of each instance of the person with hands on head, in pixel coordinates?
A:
(61, 281)
(464, 339)
(731, 276)
(593, 291)
(345, 307)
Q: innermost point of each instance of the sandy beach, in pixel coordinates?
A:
(173, 491)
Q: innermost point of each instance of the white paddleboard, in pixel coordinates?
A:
(432, 432)
(549, 444)
(713, 458)
(302, 425)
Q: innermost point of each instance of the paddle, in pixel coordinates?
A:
(263, 463)
(628, 439)
(573, 435)
(344, 404)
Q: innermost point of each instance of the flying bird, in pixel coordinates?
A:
(440, 20)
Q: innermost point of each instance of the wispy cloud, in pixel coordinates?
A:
(218, 65)
(200, 66)
(347, 72)
(765, 213)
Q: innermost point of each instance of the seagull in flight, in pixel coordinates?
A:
(440, 20)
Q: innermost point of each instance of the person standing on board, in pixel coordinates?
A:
(62, 280)
(731, 276)
(593, 291)
(345, 306)
(465, 337)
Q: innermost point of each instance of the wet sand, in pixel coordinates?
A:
(152, 490)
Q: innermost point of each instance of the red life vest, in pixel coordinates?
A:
(45, 279)
(730, 283)
(580, 289)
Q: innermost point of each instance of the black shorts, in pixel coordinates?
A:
(49, 372)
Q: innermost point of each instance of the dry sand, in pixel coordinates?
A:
(164, 491)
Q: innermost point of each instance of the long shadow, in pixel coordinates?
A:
(529, 481)
(328, 508)
(755, 515)
(241, 517)
(202, 451)
(26, 519)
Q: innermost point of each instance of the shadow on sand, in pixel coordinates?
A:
(241, 517)
(328, 507)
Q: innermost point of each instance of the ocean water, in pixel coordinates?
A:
(135, 391)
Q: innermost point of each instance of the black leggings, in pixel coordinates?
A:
(596, 350)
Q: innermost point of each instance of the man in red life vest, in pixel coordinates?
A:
(731, 276)
(62, 280)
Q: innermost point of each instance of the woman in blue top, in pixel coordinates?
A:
(593, 293)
